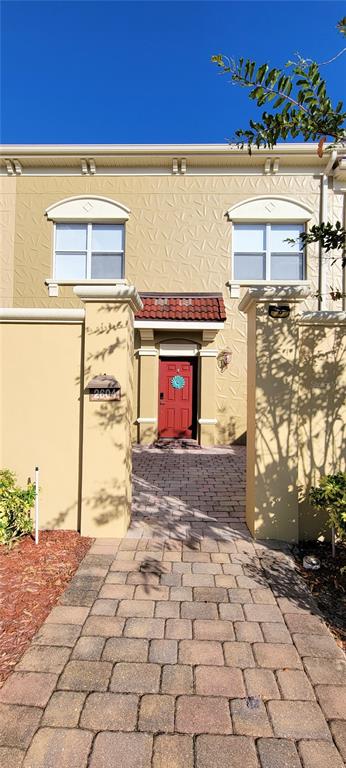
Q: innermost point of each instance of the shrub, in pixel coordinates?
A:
(15, 506)
(330, 496)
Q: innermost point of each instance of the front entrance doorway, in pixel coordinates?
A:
(178, 398)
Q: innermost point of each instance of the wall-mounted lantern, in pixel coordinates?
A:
(279, 311)
(103, 387)
(223, 359)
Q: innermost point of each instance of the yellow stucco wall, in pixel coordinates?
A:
(7, 237)
(40, 413)
(178, 238)
(272, 494)
(106, 470)
(296, 417)
(322, 415)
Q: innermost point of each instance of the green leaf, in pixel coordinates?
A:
(261, 73)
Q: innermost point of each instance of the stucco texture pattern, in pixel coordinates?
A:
(7, 230)
(178, 238)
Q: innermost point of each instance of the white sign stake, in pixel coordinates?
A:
(36, 503)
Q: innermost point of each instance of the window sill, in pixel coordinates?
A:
(235, 285)
(53, 285)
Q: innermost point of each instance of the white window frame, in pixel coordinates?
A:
(88, 278)
(268, 253)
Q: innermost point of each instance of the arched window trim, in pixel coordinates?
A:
(269, 208)
(89, 211)
(86, 208)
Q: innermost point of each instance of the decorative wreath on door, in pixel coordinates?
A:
(178, 382)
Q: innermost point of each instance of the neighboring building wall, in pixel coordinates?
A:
(40, 413)
(178, 238)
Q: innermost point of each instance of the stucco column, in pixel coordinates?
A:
(148, 388)
(207, 391)
(272, 413)
(106, 425)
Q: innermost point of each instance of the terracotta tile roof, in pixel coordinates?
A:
(182, 306)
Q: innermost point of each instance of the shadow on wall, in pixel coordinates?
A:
(322, 416)
(111, 500)
(299, 424)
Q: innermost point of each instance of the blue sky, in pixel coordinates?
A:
(123, 72)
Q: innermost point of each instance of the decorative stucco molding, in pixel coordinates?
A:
(146, 420)
(34, 315)
(208, 352)
(207, 421)
(87, 208)
(270, 208)
(147, 352)
(118, 293)
(263, 293)
(178, 325)
(322, 317)
(178, 348)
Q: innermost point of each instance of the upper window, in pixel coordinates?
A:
(262, 253)
(88, 251)
(89, 235)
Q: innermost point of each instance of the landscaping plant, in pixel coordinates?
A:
(330, 496)
(15, 508)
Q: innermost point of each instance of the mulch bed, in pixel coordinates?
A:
(31, 580)
(328, 584)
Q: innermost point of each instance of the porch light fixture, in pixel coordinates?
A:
(279, 311)
(223, 359)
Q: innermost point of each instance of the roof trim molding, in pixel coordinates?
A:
(87, 208)
(269, 208)
(39, 150)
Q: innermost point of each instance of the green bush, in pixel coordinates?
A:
(15, 506)
(330, 496)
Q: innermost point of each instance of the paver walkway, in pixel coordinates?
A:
(198, 651)
(177, 492)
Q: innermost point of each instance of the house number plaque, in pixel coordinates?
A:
(103, 387)
(104, 394)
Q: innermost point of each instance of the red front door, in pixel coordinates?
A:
(176, 398)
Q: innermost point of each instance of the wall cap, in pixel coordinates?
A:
(263, 293)
(38, 315)
(120, 292)
(322, 317)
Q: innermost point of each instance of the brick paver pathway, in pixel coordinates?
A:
(179, 491)
(198, 651)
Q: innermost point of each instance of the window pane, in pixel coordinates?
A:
(107, 237)
(249, 238)
(279, 233)
(249, 266)
(70, 266)
(287, 266)
(106, 265)
(70, 237)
